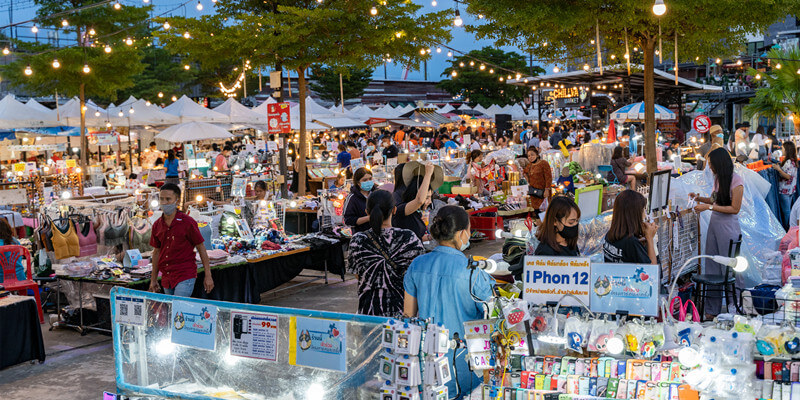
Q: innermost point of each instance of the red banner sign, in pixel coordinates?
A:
(278, 118)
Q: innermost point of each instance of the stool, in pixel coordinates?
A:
(726, 280)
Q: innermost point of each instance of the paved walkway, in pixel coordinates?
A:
(82, 367)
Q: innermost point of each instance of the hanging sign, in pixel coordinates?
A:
(272, 146)
(38, 147)
(549, 278)
(625, 287)
(261, 145)
(254, 335)
(278, 118)
(701, 123)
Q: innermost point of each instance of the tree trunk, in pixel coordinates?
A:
(301, 152)
(649, 107)
(84, 143)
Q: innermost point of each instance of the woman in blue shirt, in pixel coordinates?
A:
(438, 284)
(171, 164)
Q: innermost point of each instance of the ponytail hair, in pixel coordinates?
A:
(379, 207)
(448, 221)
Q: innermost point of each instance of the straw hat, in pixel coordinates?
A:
(415, 168)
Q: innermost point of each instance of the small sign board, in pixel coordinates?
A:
(550, 278)
(701, 123)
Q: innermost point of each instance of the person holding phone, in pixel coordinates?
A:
(630, 239)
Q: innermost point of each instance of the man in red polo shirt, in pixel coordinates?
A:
(174, 237)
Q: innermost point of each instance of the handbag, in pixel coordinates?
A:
(538, 193)
(683, 308)
(379, 245)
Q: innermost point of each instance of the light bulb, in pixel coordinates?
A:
(718, 61)
(6, 51)
(491, 70)
(186, 67)
(454, 74)
(449, 53)
(458, 21)
(461, 64)
(107, 49)
(160, 94)
(129, 41)
(86, 69)
(64, 22)
(199, 198)
(758, 76)
(174, 98)
(147, 103)
(199, 6)
(96, 113)
(472, 63)
(585, 67)
(120, 114)
(659, 8)
(555, 70)
(615, 345)
(56, 64)
(65, 195)
(131, 111)
(78, 170)
(482, 67)
(166, 25)
(28, 70)
(186, 35)
(438, 49)
(434, 3)
(373, 11)
(34, 29)
(117, 6)
(92, 32)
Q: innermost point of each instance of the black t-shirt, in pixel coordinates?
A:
(390, 152)
(411, 222)
(629, 250)
(544, 249)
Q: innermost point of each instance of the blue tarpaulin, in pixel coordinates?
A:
(7, 135)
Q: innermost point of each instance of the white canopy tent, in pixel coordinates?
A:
(193, 131)
(37, 106)
(139, 113)
(239, 114)
(69, 114)
(189, 111)
(14, 115)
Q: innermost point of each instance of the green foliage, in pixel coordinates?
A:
(326, 82)
(110, 72)
(780, 92)
(161, 74)
(482, 86)
(559, 30)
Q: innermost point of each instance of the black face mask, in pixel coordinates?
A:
(569, 232)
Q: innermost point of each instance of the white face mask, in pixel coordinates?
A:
(465, 244)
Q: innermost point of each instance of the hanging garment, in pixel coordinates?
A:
(100, 226)
(46, 234)
(65, 241)
(116, 235)
(140, 235)
(87, 239)
(227, 225)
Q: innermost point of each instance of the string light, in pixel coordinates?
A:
(458, 21)
(129, 41)
(107, 49)
(86, 69)
(482, 67)
(758, 76)
(438, 49)
(718, 61)
(398, 34)
(186, 67)
(555, 69)
(186, 35)
(422, 52)
(373, 11)
(56, 64)
(199, 6)
(585, 67)
(166, 25)
(28, 70)
(778, 66)
(6, 51)
(449, 54)
(117, 6)
(34, 29)
(160, 94)
(64, 23)
(454, 74)
(491, 70)
(434, 3)
(92, 32)
(174, 98)
(472, 63)
(461, 64)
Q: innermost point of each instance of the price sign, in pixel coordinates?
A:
(701, 123)
(19, 167)
(71, 163)
(550, 278)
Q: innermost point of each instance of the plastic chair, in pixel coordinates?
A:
(9, 255)
(726, 280)
(606, 171)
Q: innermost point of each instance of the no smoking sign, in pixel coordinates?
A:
(701, 123)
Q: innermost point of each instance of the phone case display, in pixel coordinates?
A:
(406, 363)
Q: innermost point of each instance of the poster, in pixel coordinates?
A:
(625, 287)
(129, 310)
(356, 163)
(549, 278)
(318, 343)
(261, 145)
(254, 335)
(194, 324)
(332, 146)
(278, 118)
(183, 165)
(239, 187)
(189, 151)
(272, 145)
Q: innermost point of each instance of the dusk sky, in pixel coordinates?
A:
(463, 41)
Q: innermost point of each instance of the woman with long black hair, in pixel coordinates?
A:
(787, 185)
(380, 257)
(724, 203)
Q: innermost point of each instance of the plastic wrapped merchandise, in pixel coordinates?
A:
(724, 365)
(761, 231)
(591, 155)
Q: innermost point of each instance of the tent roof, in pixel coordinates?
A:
(187, 110)
(14, 114)
(36, 105)
(191, 131)
(238, 113)
(144, 114)
(339, 122)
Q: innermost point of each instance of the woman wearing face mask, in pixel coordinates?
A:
(380, 257)
(558, 235)
(624, 240)
(474, 161)
(438, 285)
(416, 198)
(724, 204)
(540, 177)
(355, 207)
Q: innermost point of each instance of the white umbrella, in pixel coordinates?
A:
(14, 114)
(635, 112)
(187, 110)
(239, 114)
(193, 131)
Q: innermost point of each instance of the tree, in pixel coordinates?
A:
(326, 82)
(301, 33)
(483, 86)
(94, 28)
(563, 32)
(780, 91)
(161, 74)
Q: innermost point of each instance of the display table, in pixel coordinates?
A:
(20, 332)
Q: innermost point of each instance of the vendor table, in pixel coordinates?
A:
(20, 331)
(240, 283)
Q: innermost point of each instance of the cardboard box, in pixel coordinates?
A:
(464, 190)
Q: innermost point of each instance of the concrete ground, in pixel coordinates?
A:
(82, 367)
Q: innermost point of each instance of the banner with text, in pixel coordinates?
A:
(550, 278)
(625, 287)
